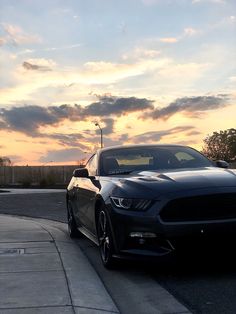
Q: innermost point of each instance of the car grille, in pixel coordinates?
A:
(198, 208)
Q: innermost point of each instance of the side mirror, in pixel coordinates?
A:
(221, 164)
(81, 173)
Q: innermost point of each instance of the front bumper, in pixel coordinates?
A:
(168, 234)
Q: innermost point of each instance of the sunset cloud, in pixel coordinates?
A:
(156, 136)
(109, 72)
(77, 150)
(35, 67)
(191, 106)
(71, 139)
(45, 79)
(38, 64)
(187, 32)
(169, 40)
(28, 119)
(110, 105)
(62, 155)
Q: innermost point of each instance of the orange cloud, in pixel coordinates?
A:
(169, 40)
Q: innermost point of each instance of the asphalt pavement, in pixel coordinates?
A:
(43, 271)
(49, 204)
(204, 281)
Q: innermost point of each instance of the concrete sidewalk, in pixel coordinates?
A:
(43, 271)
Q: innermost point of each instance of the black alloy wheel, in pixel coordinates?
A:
(72, 227)
(106, 246)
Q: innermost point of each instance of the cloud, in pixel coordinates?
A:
(62, 155)
(71, 139)
(162, 74)
(140, 53)
(157, 136)
(180, 73)
(110, 105)
(28, 119)
(192, 133)
(150, 137)
(187, 32)
(62, 47)
(35, 67)
(100, 72)
(109, 126)
(30, 86)
(31, 119)
(15, 36)
(191, 106)
(3, 41)
(169, 40)
(3, 125)
(232, 18)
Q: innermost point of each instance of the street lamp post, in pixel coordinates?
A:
(97, 124)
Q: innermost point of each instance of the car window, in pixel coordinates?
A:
(134, 159)
(92, 165)
(181, 156)
(150, 158)
(189, 158)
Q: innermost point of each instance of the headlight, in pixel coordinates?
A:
(131, 204)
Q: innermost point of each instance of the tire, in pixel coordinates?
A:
(72, 227)
(105, 240)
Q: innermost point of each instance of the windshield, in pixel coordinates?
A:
(126, 160)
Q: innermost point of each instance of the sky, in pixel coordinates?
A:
(148, 71)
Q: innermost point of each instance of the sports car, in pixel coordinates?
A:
(140, 200)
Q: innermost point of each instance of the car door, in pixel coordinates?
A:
(87, 194)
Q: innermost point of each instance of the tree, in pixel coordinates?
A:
(5, 161)
(81, 163)
(221, 145)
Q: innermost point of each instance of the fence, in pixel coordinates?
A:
(35, 175)
(39, 175)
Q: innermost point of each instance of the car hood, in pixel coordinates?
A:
(165, 181)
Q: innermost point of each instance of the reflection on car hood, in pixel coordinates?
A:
(177, 180)
(202, 176)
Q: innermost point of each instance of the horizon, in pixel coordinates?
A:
(148, 71)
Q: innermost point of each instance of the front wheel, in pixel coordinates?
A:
(72, 227)
(105, 240)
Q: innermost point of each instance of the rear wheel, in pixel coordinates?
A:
(72, 227)
(106, 246)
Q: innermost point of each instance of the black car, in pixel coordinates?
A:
(140, 200)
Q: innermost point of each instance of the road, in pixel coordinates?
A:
(204, 282)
